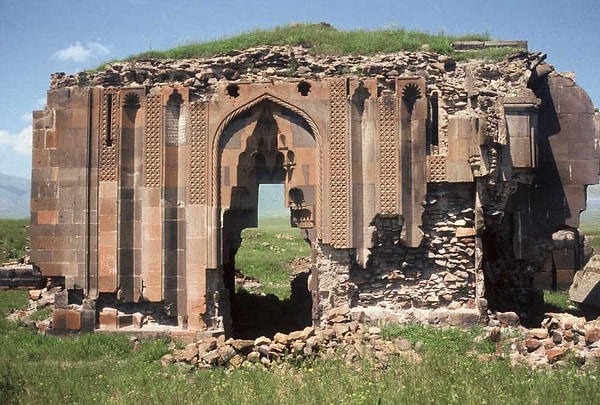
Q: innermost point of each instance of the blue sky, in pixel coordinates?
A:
(40, 37)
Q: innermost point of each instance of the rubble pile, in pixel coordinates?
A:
(350, 340)
(561, 337)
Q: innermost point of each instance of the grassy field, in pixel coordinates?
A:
(455, 369)
(266, 254)
(324, 39)
(14, 238)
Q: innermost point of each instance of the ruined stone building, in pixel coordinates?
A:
(422, 185)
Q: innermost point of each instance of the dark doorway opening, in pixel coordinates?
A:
(271, 270)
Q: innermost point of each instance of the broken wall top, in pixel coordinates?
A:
(285, 63)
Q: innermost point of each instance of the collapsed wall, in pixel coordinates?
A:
(421, 183)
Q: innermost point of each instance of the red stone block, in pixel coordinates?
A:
(73, 319)
(564, 279)
(66, 319)
(108, 319)
(59, 319)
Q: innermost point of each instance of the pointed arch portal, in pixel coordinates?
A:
(265, 143)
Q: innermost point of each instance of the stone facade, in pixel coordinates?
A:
(420, 182)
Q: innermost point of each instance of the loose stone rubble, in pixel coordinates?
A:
(561, 337)
(351, 341)
(20, 274)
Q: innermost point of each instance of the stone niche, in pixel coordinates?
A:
(422, 191)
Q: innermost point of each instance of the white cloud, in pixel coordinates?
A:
(81, 53)
(20, 143)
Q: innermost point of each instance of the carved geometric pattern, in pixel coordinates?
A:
(109, 142)
(198, 130)
(339, 160)
(388, 155)
(436, 169)
(152, 152)
(247, 107)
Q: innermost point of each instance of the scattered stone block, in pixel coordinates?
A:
(585, 288)
(533, 344)
(35, 295)
(262, 340)
(592, 335)
(464, 317)
(556, 353)
(539, 333)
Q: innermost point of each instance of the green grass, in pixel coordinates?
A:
(41, 314)
(14, 237)
(266, 253)
(436, 340)
(557, 301)
(100, 368)
(324, 39)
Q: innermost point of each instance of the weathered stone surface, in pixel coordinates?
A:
(464, 317)
(556, 353)
(592, 335)
(508, 318)
(533, 344)
(262, 340)
(189, 352)
(586, 284)
(226, 353)
(443, 168)
(242, 345)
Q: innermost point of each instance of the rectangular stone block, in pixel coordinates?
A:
(59, 319)
(73, 320)
(585, 288)
(88, 320)
(61, 300)
(124, 321)
(564, 279)
(66, 319)
(107, 319)
(465, 232)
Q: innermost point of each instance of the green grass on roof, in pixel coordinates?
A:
(322, 39)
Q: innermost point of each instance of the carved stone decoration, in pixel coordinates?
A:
(436, 169)
(197, 178)
(339, 163)
(109, 142)
(132, 101)
(419, 196)
(410, 94)
(174, 121)
(152, 153)
(388, 155)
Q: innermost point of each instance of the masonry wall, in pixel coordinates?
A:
(419, 183)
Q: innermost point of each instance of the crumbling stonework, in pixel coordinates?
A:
(422, 184)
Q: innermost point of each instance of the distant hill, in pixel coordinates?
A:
(14, 196)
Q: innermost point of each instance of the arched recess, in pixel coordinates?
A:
(266, 141)
(243, 109)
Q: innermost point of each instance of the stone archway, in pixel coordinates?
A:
(266, 143)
